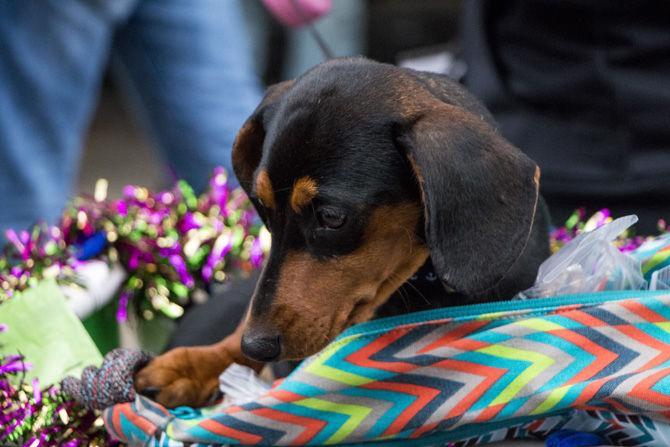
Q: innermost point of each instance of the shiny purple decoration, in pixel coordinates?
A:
(171, 243)
(32, 416)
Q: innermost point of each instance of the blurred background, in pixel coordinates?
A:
(146, 91)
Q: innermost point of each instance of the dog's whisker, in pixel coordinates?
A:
(417, 291)
(410, 237)
(403, 297)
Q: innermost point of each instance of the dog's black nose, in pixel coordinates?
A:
(264, 346)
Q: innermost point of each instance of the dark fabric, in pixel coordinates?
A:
(216, 318)
(423, 291)
(583, 87)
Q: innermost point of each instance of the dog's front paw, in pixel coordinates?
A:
(183, 376)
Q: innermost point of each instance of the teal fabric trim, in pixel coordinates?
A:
(477, 310)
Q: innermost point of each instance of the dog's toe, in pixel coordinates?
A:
(172, 381)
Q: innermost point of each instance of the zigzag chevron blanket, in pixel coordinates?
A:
(466, 375)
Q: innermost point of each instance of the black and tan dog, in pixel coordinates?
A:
(364, 173)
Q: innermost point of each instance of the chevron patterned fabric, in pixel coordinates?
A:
(470, 374)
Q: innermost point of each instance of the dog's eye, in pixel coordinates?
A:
(330, 218)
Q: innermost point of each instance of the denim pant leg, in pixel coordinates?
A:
(187, 71)
(52, 55)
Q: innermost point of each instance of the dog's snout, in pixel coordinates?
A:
(262, 345)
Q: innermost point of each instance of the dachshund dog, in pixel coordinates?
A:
(365, 174)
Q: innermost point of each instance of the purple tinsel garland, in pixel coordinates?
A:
(171, 243)
(32, 416)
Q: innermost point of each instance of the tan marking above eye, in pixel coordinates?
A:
(304, 190)
(264, 189)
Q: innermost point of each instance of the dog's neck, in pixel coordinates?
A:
(423, 291)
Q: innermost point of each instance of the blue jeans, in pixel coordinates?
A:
(185, 64)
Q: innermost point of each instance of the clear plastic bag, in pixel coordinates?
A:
(240, 384)
(660, 279)
(589, 263)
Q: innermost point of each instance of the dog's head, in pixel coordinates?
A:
(361, 171)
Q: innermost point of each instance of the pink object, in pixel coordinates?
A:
(298, 12)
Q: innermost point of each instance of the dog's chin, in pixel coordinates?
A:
(303, 351)
(312, 343)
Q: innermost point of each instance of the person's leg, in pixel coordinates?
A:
(52, 55)
(186, 68)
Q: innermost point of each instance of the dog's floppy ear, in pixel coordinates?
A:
(248, 145)
(479, 195)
